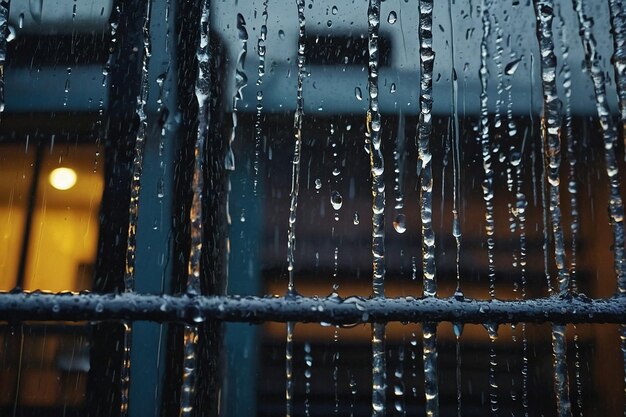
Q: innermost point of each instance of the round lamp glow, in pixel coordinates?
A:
(63, 178)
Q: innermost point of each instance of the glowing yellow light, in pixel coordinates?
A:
(63, 178)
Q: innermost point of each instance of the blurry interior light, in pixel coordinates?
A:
(63, 178)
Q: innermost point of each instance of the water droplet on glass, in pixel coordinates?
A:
(11, 35)
(336, 200)
(458, 329)
(492, 330)
(318, 183)
(399, 223)
(511, 67)
(241, 27)
(358, 94)
(356, 218)
(335, 10)
(392, 17)
(281, 34)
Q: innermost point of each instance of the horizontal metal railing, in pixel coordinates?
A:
(334, 310)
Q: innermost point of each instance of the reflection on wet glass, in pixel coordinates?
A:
(52, 182)
(49, 212)
(54, 196)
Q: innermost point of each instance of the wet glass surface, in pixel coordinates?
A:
(373, 148)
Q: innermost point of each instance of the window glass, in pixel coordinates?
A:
(307, 138)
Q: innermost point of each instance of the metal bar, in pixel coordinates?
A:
(352, 310)
(30, 212)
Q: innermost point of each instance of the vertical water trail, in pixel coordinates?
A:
(524, 370)
(295, 173)
(544, 209)
(572, 142)
(609, 133)
(308, 362)
(424, 129)
(190, 363)
(66, 88)
(377, 168)
(135, 184)
(579, 381)
(133, 208)
(203, 91)
(544, 204)
(106, 69)
(241, 81)
(376, 155)
(293, 204)
(485, 143)
(561, 380)
(514, 175)
(618, 25)
(515, 186)
(550, 132)
(353, 392)
(509, 70)
(398, 389)
(398, 159)
(258, 132)
(456, 205)
(572, 188)
(447, 146)
(163, 114)
(289, 369)
(520, 210)
(163, 123)
(492, 330)
(336, 202)
(335, 362)
(125, 371)
(497, 59)
(511, 127)
(69, 69)
(486, 150)
(546, 222)
(4, 31)
(424, 170)
(431, 388)
(413, 350)
(456, 156)
(458, 331)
